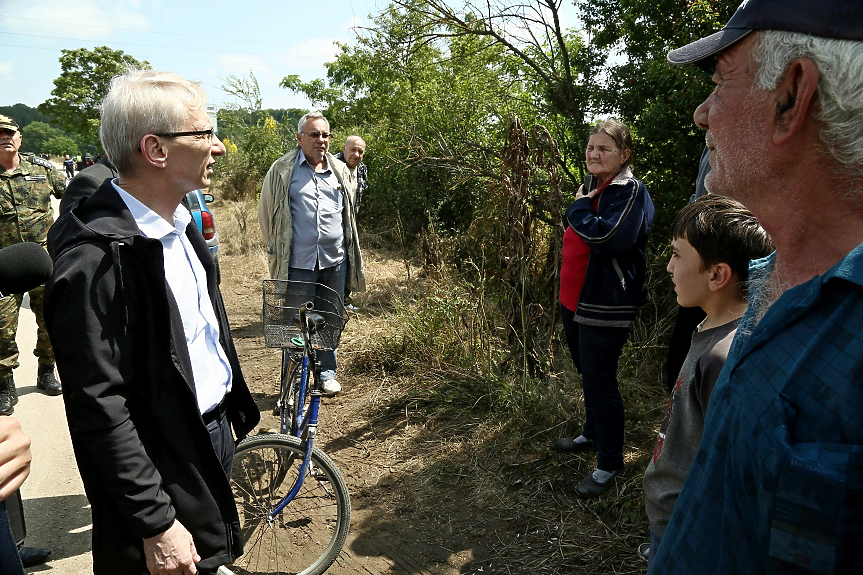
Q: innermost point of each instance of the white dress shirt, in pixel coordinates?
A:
(188, 283)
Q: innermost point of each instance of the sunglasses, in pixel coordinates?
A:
(316, 135)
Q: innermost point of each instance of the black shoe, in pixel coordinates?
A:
(644, 551)
(8, 395)
(568, 445)
(590, 487)
(47, 382)
(33, 555)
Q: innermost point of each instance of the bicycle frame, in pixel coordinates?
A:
(300, 426)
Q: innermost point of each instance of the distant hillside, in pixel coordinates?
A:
(24, 114)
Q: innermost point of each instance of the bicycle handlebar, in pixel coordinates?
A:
(303, 310)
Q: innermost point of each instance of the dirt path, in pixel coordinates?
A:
(401, 522)
(56, 510)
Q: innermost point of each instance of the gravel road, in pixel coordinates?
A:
(55, 509)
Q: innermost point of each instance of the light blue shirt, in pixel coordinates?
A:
(188, 283)
(316, 213)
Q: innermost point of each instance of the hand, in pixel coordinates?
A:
(15, 456)
(580, 193)
(171, 552)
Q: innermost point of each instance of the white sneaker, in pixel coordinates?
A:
(332, 387)
(351, 307)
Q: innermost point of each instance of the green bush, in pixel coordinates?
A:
(246, 162)
(61, 146)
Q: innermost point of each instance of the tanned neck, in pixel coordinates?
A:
(725, 306)
(10, 161)
(813, 235)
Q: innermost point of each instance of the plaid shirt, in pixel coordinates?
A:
(777, 483)
(362, 175)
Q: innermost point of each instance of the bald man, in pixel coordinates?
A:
(352, 155)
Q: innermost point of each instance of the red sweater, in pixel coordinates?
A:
(573, 268)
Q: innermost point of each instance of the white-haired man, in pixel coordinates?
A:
(308, 222)
(352, 155)
(777, 485)
(142, 341)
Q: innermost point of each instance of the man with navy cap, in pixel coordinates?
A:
(777, 485)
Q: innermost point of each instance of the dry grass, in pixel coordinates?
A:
(491, 441)
(462, 450)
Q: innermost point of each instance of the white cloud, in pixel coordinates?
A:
(86, 20)
(7, 73)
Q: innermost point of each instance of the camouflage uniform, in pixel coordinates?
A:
(25, 216)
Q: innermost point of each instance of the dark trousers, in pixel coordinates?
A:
(223, 442)
(687, 320)
(333, 277)
(595, 351)
(10, 561)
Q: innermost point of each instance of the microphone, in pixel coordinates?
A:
(23, 267)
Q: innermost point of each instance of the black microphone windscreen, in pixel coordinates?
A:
(23, 267)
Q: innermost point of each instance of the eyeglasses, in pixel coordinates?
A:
(316, 135)
(209, 133)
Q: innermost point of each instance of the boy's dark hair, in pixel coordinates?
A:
(722, 231)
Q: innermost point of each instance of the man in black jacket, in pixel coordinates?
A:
(86, 182)
(153, 382)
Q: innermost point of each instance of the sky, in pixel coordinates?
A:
(204, 41)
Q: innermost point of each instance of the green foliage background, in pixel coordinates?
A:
(433, 86)
(82, 84)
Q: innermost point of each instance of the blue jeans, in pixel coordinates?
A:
(334, 278)
(595, 351)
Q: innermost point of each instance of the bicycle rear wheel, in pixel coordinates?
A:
(308, 534)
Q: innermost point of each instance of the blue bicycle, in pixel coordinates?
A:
(292, 500)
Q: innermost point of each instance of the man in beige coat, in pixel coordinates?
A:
(308, 222)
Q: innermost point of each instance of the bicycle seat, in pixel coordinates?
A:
(316, 321)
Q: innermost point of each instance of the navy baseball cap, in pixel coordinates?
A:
(837, 19)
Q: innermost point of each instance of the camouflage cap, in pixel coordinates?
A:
(8, 122)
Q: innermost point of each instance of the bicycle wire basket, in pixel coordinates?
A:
(282, 300)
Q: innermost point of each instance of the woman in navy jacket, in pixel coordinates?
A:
(602, 287)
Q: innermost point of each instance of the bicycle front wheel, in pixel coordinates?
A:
(308, 534)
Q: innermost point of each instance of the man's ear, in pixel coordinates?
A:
(719, 276)
(794, 99)
(153, 151)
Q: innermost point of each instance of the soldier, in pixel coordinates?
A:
(26, 183)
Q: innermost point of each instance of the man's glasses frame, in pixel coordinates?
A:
(316, 135)
(209, 133)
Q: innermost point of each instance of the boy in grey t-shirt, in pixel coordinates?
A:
(713, 240)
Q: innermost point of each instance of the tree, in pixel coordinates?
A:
(253, 138)
(24, 114)
(81, 86)
(434, 110)
(60, 146)
(654, 97)
(35, 134)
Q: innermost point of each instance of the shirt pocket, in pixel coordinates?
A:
(816, 519)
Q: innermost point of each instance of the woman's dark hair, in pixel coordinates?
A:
(618, 132)
(722, 231)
